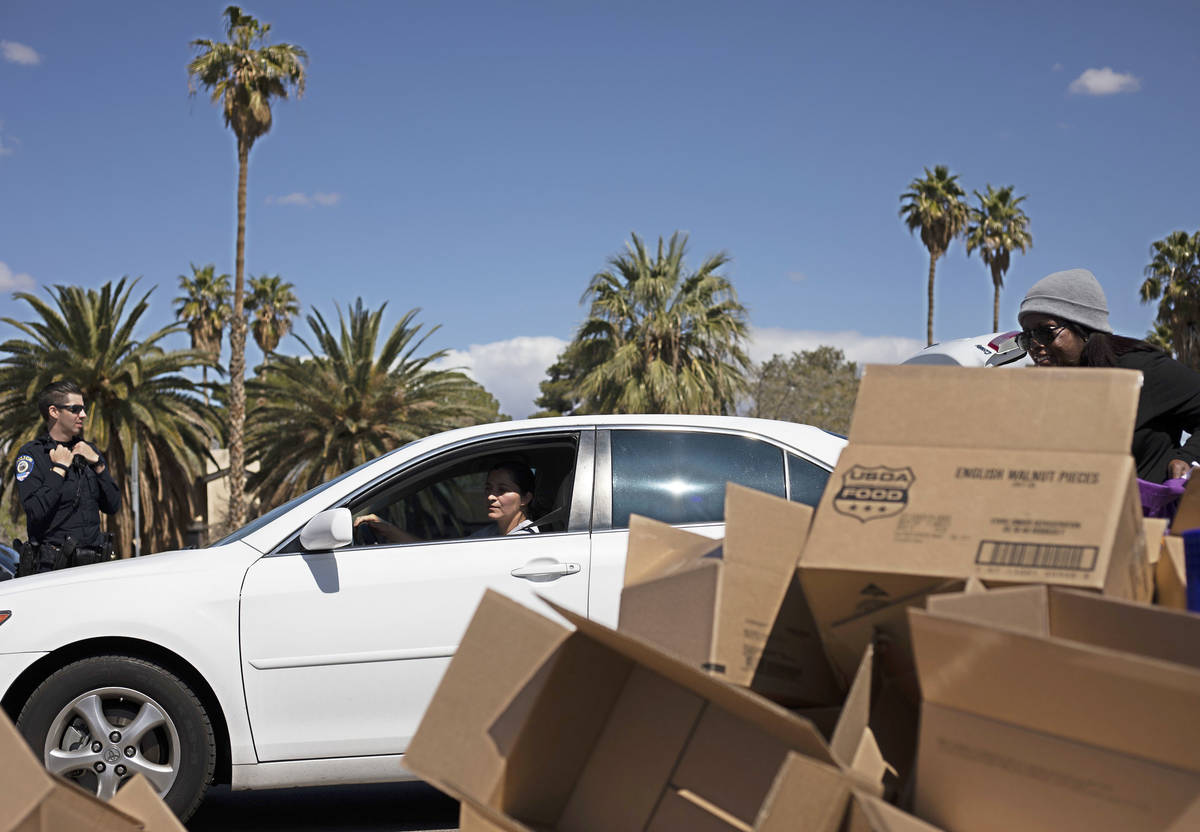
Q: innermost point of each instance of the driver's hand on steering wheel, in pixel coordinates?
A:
(384, 530)
(372, 519)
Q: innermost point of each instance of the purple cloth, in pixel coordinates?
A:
(1160, 500)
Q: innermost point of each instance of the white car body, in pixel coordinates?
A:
(997, 349)
(317, 666)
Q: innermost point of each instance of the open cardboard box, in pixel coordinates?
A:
(731, 607)
(952, 473)
(535, 726)
(1054, 709)
(33, 799)
(1170, 572)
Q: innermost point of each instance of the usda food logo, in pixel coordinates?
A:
(870, 493)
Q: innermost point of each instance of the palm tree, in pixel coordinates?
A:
(273, 306)
(998, 227)
(937, 207)
(244, 74)
(204, 307)
(659, 340)
(372, 399)
(1173, 279)
(137, 394)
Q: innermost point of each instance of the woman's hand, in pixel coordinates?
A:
(371, 519)
(1177, 469)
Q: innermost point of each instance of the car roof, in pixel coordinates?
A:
(819, 445)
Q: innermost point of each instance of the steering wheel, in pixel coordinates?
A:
(364, 535)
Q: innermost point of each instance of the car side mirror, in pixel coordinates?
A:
(330, 529)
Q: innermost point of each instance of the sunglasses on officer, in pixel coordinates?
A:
(1043, 335)
(73, 408)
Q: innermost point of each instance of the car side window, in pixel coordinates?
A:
(807, 480)
(444, 499)
(679, 477)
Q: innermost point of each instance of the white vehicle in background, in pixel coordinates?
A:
(999, 349)
(300, 651)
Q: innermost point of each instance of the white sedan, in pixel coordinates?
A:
(294, 652)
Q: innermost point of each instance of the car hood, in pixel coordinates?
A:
(143, 597)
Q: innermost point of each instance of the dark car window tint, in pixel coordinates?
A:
(680, 477)
(807, 480)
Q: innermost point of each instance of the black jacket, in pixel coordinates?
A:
(1169, 406)
(57, 506)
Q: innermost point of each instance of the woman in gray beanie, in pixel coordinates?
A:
(1064, 323)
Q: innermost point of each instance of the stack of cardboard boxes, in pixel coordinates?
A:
(961, 637)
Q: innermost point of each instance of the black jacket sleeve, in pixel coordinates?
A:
(110, 494)
(1171, 391)
(41, 488)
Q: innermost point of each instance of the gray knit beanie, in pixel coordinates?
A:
(1074, 295)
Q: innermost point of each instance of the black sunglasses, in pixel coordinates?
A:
(74, 408)
(1044, 335)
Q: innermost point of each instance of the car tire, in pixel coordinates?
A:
(100, 720)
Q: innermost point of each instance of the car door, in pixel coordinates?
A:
(342, 650)
(678, 476)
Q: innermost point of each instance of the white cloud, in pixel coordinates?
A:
(1104, 82)
(325, 200)
(510, 370)
(19, 53)
(10, 282)
(1056, 68)
(865, 349)
(797, 277)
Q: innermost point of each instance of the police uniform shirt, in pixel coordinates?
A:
(57, 506)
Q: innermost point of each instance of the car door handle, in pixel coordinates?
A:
(545, 570)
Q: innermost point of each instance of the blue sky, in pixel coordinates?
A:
(482, 160)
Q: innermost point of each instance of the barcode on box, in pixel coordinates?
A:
(1037, 555)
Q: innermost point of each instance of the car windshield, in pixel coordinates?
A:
(280, 510)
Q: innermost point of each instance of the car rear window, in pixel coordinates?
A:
(679, 477)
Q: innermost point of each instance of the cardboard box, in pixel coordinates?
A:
(734, 607)
(952, 473)
(1053, 709)
(538, 727)
(33, 799)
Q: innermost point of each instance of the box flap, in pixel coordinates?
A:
(1061, 688)
(1155, 529)
(798, 733)
(657, 549)
(1153, 632)
(1024, 608)
(764, 530)
(870, 814)
(1046, 409)
(853, 744)
(1187, 515)
(460, 743)
(806, 795)
(139, 799)
(24, 783)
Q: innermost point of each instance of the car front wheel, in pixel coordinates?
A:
(101, 720)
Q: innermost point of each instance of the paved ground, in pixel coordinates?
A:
(380, 807)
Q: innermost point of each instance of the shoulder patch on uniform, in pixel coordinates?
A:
(24, 467)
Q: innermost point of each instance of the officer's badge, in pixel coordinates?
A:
(872, 493)
(24, 467)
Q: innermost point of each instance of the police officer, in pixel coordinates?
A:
(64, 484)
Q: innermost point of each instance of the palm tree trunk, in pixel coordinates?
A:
(237, 358)
(929, 321)
(996, 308)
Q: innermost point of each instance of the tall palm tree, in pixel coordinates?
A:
(373, 398)
(1173, 279)
(244, 74)
(997, 228)
(936, 206)
(273, 306)
(136, 392)
(204, 307)
(660, 340)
